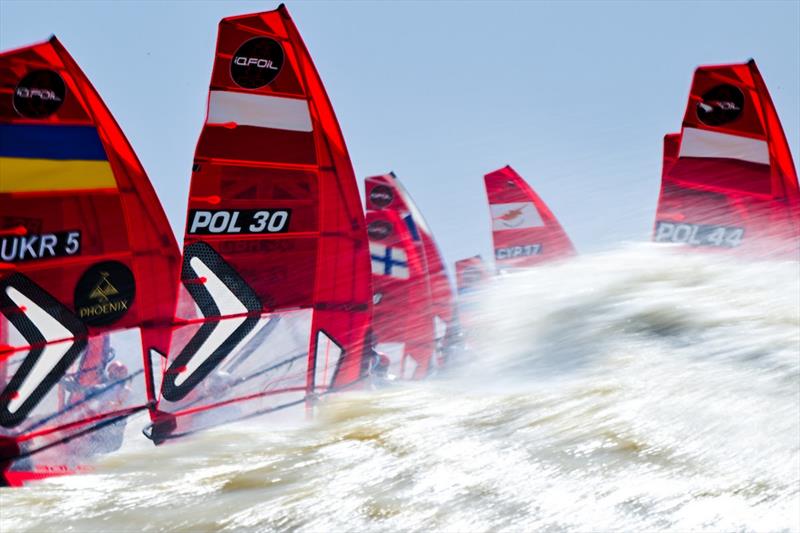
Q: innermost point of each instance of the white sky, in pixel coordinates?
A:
(576, 96)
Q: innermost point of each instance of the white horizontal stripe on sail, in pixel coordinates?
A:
(259, 110)
(703, 143)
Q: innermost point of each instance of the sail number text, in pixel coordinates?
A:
(699, 234)
(238, 221)
(512, 252)
(28, 247)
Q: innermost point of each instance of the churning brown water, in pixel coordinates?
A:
(634, 390)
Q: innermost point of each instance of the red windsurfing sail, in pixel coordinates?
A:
(88, 272)
(386, 192)
(728, 179)
(471, 274)
(275, 304)
(403, 323)
(525, 232)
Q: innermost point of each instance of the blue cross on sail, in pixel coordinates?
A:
(388, 261)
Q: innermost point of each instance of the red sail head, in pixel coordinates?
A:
(728, 182)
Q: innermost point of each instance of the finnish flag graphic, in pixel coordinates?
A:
(388, 261)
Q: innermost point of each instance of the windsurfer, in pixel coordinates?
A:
(378, 369)
(111, 394)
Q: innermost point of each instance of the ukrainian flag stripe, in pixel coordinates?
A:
(42, 175)
(51, 142)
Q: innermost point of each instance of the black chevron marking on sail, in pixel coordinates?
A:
(35, 338)
(170, 390)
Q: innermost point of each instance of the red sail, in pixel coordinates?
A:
(403, 323)
(525, 232)
(87, 278)
(387, 192)
(471, 274)
(276, 297)
(728, 180)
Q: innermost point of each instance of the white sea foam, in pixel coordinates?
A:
(639, 389)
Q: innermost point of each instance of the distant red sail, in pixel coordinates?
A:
(88, 272)
(472, 277)
(728, 180)
(403, 323)
(387, 192)
(525, 232)
(276, 298)
(471, 274)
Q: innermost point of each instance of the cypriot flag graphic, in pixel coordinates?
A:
(515, 216)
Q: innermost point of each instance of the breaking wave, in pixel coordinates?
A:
(638, 389)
